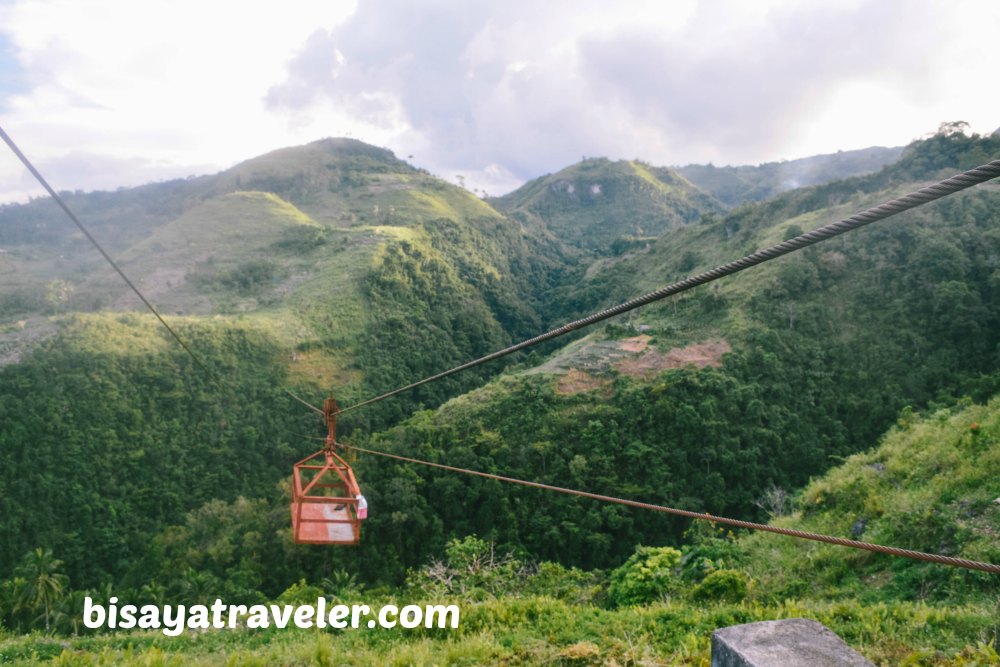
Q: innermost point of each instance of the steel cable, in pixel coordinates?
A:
(72, 216)
(924, 195)
(801, 534)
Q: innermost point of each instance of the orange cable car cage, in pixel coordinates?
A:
(325, 494)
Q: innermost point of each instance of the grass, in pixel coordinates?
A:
(228, 225)
(931, 485)
(528, 630)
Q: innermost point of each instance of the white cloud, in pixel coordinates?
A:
(498, 93)
(169, 84)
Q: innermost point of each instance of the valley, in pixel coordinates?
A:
(848, 388)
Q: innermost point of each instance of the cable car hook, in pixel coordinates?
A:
(330, 411)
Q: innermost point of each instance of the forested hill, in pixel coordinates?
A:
(595, 202)
(336, 267)
(335, 249)
(598, 204)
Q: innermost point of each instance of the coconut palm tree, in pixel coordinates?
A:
(68, 618)
(10, 602)
(44, 585)
(153, 593)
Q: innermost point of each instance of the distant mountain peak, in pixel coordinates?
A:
(736, 185)
(597, 201)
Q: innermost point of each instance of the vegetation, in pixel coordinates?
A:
(128, 471)
(529, 630)
(111, 432)
(446, 294)
(928, 486)
(661, 605)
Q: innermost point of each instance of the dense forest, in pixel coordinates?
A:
(128, 469)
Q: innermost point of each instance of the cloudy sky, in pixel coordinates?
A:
(106, 93)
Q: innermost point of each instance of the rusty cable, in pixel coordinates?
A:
(801, 534)
(305, 402)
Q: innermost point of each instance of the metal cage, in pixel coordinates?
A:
(325, 500)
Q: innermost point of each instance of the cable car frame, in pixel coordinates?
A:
(325, 494)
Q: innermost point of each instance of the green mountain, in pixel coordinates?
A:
(353, 273)
(599, 204)
(592, 204)
(251, 211)
(329, 247)
(705, 401)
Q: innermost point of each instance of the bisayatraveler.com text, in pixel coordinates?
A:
(175, 619)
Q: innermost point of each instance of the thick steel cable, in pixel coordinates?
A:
(306, 403)
(924, 195)
(55, 196)
(801, 534)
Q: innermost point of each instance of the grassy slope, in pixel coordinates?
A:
(289, 236)
(344, 182)
(540, 630)
(931, 485)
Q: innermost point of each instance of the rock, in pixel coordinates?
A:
(794, 642)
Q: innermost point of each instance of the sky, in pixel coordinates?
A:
(110, 93)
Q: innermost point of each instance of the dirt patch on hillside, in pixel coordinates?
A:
(635, 344)
(591, 364)
(575, 381)
(651, 362)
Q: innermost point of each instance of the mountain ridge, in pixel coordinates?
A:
(734, 185)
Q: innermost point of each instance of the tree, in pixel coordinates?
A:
(43, 584)
(57, 293)
(954, 127)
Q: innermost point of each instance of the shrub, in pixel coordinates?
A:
(791, 232)
(725, 585)
(645, 577)
(300, 593)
